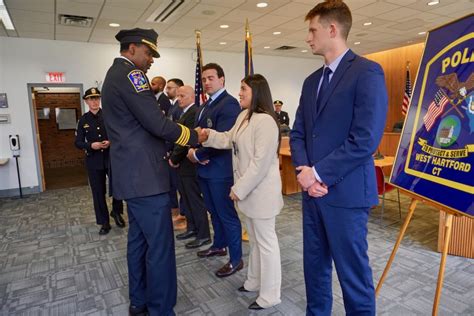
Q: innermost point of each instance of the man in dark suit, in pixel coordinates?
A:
(215, 171)
(196, 214)
(172, 87)
(157, 86)
(137, 129)
(174, 112)
(339, 123)
(283, 117)
(91, 137)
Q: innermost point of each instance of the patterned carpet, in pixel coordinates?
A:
(53, 262)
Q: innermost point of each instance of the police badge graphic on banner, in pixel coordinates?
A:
(435, 158)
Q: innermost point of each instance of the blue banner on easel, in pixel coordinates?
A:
(435, 158)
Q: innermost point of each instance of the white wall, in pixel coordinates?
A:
(24, 61)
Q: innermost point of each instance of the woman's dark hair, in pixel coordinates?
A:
(262, 101)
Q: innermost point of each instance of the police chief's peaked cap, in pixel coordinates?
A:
(91, 92)
(143, 36)
(277, 102)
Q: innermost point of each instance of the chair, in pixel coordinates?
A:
(384, 187)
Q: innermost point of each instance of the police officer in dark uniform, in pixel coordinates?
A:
(283, 117)
(138, 129)
(92, 138)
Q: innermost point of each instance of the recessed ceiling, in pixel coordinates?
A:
(395, 23)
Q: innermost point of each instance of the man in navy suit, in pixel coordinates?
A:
(338, 126)
(215, 173)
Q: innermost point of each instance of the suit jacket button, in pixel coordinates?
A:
(314, 135)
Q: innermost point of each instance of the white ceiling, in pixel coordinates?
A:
(395, 23)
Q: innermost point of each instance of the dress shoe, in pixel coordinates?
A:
(104, 230)
(137, 310)
(229, 269)
(211, 252)
(255, 306)
(186, 235)
(119, 221)
(242, 289)
(196, 243)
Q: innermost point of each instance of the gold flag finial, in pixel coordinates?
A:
(198, 36)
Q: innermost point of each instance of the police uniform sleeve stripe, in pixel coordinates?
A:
(184, 137)
(180, 138)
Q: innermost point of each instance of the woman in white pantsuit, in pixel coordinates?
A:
(255, 140)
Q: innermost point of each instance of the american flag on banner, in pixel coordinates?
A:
(248, 51)
(407, 94)
(200, 96)
(435, 109)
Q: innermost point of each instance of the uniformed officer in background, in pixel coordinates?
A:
(138, 130)
(92, 138)
(283, 117)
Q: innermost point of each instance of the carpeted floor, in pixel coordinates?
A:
(53, 262)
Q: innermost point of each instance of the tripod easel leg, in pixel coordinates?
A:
(447, 237)
(411, 210)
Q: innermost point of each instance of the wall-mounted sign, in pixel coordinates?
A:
(55, 77)
(3, 100)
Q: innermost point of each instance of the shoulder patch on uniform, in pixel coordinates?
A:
(138, 80)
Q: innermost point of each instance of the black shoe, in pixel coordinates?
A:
(255, 306)
(242, 289)
(186, 235)
(104, 230)
(137, 311)
(119, 221)
(196, 243)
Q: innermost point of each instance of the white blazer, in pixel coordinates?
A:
(255, 162)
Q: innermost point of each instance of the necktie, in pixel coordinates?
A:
(324, 86)
(204, 107)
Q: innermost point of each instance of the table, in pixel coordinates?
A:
(288, 176)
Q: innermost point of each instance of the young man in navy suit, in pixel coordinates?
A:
(215, 173)
(338, 126)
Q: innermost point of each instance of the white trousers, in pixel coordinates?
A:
(264, 270)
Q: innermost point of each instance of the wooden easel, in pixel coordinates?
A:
(447, 237)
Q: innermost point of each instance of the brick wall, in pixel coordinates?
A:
(57, 146)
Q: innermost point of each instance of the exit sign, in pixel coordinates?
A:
(56, 77)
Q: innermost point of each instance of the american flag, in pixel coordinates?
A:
(407, 95)
(248, 51)
(435, 109)
(200, 96)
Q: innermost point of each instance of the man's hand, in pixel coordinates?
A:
(105, 144)
(172, 165)
(191, 158)
(97, 145)
(318, 189)
(233, 197)
(306, 177)
(190, 155)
